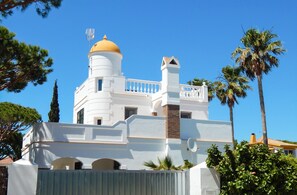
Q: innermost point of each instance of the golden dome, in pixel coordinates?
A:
(105, 45)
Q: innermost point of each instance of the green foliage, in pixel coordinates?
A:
(12, 146)
(209, 84)
(187, 165)
(21, 63)
(259, 51)
(14, 117)
(254, 169)
(54, 113)
(42, 7)
(167, 164)
(214, 156)
(230, 85)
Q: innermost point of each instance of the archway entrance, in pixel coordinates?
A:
(66, 164)
(106, 164)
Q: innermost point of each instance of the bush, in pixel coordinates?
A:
(254, 169)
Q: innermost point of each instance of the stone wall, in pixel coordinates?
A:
(172, 124)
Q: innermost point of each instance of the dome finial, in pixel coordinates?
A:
(105, 37)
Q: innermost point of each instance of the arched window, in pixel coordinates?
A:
(106, 164)
(66, 163)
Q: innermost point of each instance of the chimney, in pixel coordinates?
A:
(253, 138)
(170, 96)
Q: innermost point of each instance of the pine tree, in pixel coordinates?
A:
(54, 113)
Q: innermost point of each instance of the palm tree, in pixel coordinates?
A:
(258, 56)
(164, 164)
(231, 84)
(209, 84)
(167, 164)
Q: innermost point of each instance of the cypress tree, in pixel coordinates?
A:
(54, 113)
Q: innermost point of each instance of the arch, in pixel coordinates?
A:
(66, 163)
(106, 164)
(157, 107)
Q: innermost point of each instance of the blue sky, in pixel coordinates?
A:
(201, 34)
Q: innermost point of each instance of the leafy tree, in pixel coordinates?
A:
(167, 164)
(54, 113)
(254, 169)
(214, 156)
(21, 63)
(231, 85)
(14, 117)
(209, 84)
(12, 146)
(42, 6)
(257, 57)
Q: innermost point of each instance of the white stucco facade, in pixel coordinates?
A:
(124, 120)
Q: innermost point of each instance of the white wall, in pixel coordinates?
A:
(130, 142)
(22, 178)
(199, 110)
(204, 180)
(105, 64)
(205, 130)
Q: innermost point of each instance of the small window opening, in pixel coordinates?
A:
(99, 121)
(186, 115)
(129, 112)
(173, 62)
(80, 116)
(99, 88)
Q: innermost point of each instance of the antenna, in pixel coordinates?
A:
(90, 33)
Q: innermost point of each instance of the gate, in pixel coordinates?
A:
(119, 182)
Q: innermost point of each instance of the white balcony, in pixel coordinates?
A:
(187, 92)
(142, 86)
(191, 92)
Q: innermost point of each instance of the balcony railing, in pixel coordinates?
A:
(191, 92)
(142, 86)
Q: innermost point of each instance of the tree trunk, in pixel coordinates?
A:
(232, 125)
(262, 106)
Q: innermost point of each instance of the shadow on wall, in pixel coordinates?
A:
(66, 163)
(106, 164)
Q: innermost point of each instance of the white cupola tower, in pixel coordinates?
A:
(92, 100)
(105, 59)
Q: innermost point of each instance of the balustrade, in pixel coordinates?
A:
(151, 87)
(142, 86)
(191, 92)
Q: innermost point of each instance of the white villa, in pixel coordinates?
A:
(119, 123)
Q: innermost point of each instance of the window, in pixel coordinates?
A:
(99, 121)
(80, 117)
(287, 152)
(129, 112)
(185, 115)
(99, 85)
